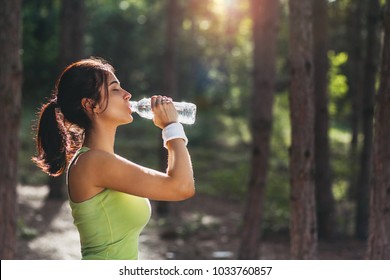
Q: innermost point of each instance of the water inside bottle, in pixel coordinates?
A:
(186, 111)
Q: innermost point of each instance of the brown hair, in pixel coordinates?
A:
(62, 121)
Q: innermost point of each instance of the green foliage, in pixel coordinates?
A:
(40, 49)
(130, 35)
(339, 109)
(29, 174)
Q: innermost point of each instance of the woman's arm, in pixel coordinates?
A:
(111, 171)
(105, 170)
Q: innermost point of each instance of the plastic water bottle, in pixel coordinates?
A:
(185, 110)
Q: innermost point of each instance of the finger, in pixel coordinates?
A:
(159, 100)
(153, 101)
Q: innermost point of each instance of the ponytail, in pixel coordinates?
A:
(51, 142)
(63, 121)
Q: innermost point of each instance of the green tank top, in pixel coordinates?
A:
(109, 224)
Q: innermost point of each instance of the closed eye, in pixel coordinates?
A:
(116, 88)
(116, 85)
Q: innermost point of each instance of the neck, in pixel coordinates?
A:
(100, 138)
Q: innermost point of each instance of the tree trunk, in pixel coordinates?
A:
(170, 79)
(370, 69)
(303, 230)
(10, 99)
(355, 28)
(265, 15)
(379, 225)
(324, 195)
(72, 29)
(72, 26)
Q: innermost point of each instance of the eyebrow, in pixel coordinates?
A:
(113, 82)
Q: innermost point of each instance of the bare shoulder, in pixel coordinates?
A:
(94, 161)
(102, 168)
(84, 175)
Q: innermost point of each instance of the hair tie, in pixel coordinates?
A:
(54, 102)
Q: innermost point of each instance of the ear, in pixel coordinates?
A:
(87, 104)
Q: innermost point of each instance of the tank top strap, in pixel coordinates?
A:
(74, 158)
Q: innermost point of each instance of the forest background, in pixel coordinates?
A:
(204, 52)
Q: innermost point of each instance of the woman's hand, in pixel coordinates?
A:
(164, 111)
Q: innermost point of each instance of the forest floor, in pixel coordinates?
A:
(202, 227)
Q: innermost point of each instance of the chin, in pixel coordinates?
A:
(126, 121)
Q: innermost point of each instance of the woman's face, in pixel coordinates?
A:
(118, 107)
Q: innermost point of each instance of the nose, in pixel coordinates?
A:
(127, 95)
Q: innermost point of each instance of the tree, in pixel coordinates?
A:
(170, 77)
(265, 16)
(370, 71)
(323, 181)
(40, 45)
(354, 71)
(379, 223)
(72, 29)
(72, 25)
(10, 98)
(303, 229)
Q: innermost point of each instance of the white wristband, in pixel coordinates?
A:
(173, 131)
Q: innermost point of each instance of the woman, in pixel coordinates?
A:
(108, 194)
